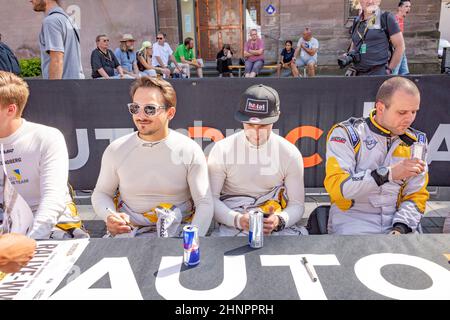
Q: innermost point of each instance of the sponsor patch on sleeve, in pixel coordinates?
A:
(338, 139)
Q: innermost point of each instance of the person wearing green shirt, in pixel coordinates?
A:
(185, 56)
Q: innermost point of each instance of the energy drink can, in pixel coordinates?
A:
(191, 245)
(256, 232)
(418, 150)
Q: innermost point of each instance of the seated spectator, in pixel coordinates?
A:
(127, 57)
(224, 62)
(162, 53)
(308, 47)
(185, 56)
(8, 61)
(144, 60)
(286, 61)
(103, 61)
(253, 54)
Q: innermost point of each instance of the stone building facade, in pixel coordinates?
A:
(215, 22)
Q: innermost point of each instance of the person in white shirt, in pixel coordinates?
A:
(37, 165)
(307, 46)
(256, 169)
(162, 54)
(154, 176)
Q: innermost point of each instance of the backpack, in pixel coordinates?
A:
(8, 61)
(384, 27)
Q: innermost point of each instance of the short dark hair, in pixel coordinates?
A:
(163, 86)
(392, 85)
(402, 3)
(288, 41)
(97, 38)
(187, 40)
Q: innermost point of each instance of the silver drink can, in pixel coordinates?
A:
(256, 231)
(418, 151)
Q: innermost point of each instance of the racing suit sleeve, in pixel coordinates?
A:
(217, 175)
(412, 203)
(200, 191)
(342, 181)
(295, 188)
(54, 172)
(106, 187)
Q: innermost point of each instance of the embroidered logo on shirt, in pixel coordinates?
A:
(370, 143)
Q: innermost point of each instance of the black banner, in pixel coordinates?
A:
(90, 113)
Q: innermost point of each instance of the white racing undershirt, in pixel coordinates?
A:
(37, 165)
(173, 171)
(236, 167)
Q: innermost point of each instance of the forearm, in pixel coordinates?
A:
(160, 62)
(204, 212)
(120, 70)
(101, 202)
(223, 214)
(396, 57)
(103, 73)
(55, 70)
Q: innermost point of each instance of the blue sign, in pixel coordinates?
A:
(270, 9)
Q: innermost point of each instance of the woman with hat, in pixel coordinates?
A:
(144, 61)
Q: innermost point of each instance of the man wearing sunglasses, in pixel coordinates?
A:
(104, 62)
(162, 54)
(153, 179)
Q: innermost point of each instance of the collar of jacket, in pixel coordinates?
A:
(408, 137)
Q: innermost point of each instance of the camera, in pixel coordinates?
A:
(351, 57)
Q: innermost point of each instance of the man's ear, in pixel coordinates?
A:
(380, 106)
(12, 110)
(171, 113)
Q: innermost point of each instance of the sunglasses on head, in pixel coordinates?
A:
(149, 109)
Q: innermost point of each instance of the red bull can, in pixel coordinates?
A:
(191, 246)
(256, 232)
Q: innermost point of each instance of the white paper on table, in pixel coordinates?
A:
(17, 216)
(38, 280)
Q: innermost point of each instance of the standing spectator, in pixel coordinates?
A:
(253, 54)
(162, 53)
(224, 61)
(185, 56)
(286, 60)
(126, 56)
(372, 34)
(404, 7)
(103, 60)
(144, 60)
(59, 43)
(308, 47)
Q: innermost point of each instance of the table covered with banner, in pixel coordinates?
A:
(346, 267)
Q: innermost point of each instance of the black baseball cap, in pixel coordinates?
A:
(259, 104)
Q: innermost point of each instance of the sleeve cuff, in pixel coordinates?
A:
(402, 228)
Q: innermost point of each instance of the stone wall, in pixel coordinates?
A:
(327, 19)
(20, 25)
